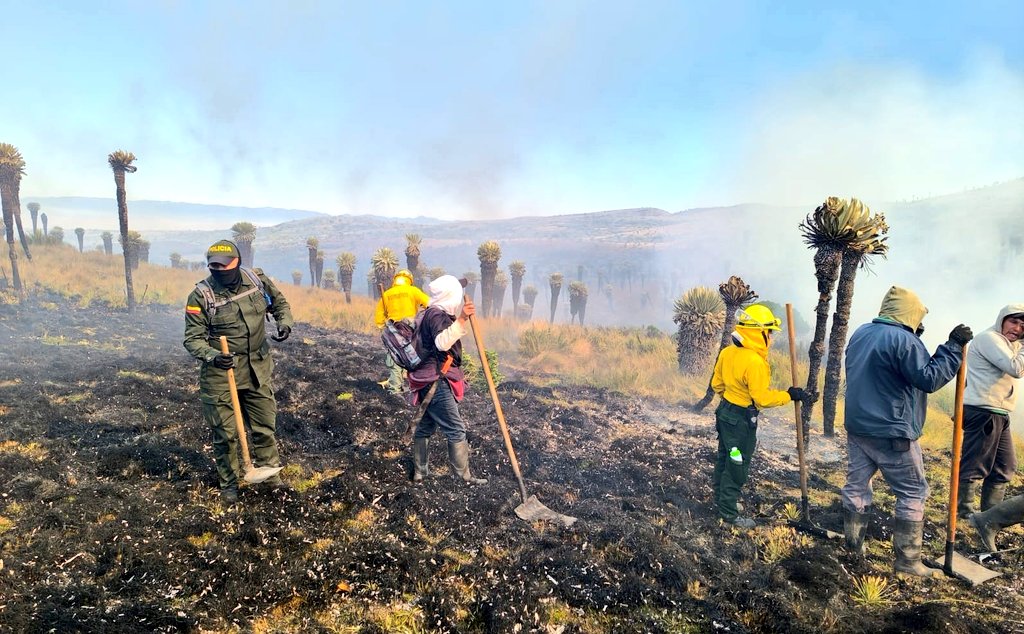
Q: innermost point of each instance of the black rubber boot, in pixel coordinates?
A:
(458, 455)
(992, 494)
(855, 527)
(229, 495)
(420, 456)
(990, 522)
(967, 496)
(907, 538)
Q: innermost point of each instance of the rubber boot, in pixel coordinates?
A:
(855, 527)
(967, 496)
(990, 522)
(420, 456)
(992, 494)
(906, 543)
(458, 456)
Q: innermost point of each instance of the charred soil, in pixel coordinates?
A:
(110, 519)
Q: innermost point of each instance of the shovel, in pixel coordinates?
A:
(253, 475)
(531, 509)
(955, 564)
(804, 523)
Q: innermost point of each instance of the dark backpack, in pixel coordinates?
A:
(402, 341)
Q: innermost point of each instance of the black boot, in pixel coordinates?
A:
(458, 455)
(990, 522)
(992, 494)
(906, 543)
(420, 456)
(855, 527)
(967, 496)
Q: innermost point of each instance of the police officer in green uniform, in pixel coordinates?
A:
(234, 302)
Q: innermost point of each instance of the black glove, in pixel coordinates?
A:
(282, 333)
(799, 394)
(224, 361)
(961, 334)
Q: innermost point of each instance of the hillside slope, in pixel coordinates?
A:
(110, 521)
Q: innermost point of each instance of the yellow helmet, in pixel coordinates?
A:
(757, 316)
(403, 278)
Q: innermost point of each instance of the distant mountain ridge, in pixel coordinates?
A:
(147, 215)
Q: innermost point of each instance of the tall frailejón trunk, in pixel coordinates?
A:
(487, 272)
(7, 200)
(826, 270)
(122, 218)
(345, 276)
(837, 338)
(17, 220)
(555, 290)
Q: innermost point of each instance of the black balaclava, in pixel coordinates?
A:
(230, 279)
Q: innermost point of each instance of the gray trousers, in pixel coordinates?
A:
(903, 472)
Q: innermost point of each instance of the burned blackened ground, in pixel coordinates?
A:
(110, 520)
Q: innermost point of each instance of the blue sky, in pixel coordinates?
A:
(475, 110)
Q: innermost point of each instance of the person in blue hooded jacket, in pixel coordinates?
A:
(889, 375)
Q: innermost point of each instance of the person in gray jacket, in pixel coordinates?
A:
(995, 361)
(889, 374)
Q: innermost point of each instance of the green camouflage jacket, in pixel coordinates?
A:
(243, 323)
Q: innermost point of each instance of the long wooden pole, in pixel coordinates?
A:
(954, 469)
(239, 425)
(475, 325)
(804, 506)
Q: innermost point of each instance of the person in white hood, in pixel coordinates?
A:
(443, 324)
(995, 360)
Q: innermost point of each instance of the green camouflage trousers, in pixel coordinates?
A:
(259, 411)
(735, 429)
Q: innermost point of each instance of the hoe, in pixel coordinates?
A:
(531, 509)
(253, 475)
(956, 565)
(803, 524)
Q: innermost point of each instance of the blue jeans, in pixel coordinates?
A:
(442, 412)
(903, 472)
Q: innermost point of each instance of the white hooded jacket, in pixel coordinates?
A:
(993, 366)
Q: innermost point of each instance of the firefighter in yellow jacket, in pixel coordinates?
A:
(742, 378)
(401, 301)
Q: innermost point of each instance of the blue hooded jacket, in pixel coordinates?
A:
(889, 373)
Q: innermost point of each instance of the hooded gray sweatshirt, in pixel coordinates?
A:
(993, 367)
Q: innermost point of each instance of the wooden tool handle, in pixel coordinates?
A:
(958, 442)
(239, 424)
(791, 328)
(497, 404)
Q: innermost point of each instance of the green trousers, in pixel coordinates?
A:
(396, 375)
(735, 429)
(259, 412)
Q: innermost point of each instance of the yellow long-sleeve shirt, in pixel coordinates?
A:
(401, 301)
(742, 375)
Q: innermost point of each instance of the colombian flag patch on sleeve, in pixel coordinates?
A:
(192, 310)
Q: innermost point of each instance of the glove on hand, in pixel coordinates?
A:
(961, 334)
(282, 333)
(799, 394)
(224, 361)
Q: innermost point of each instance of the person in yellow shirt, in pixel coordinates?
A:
(401, 301)
(742, 377)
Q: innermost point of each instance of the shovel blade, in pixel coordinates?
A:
(811, 529)
(260, 474)
(532, 510)
(966, 570)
